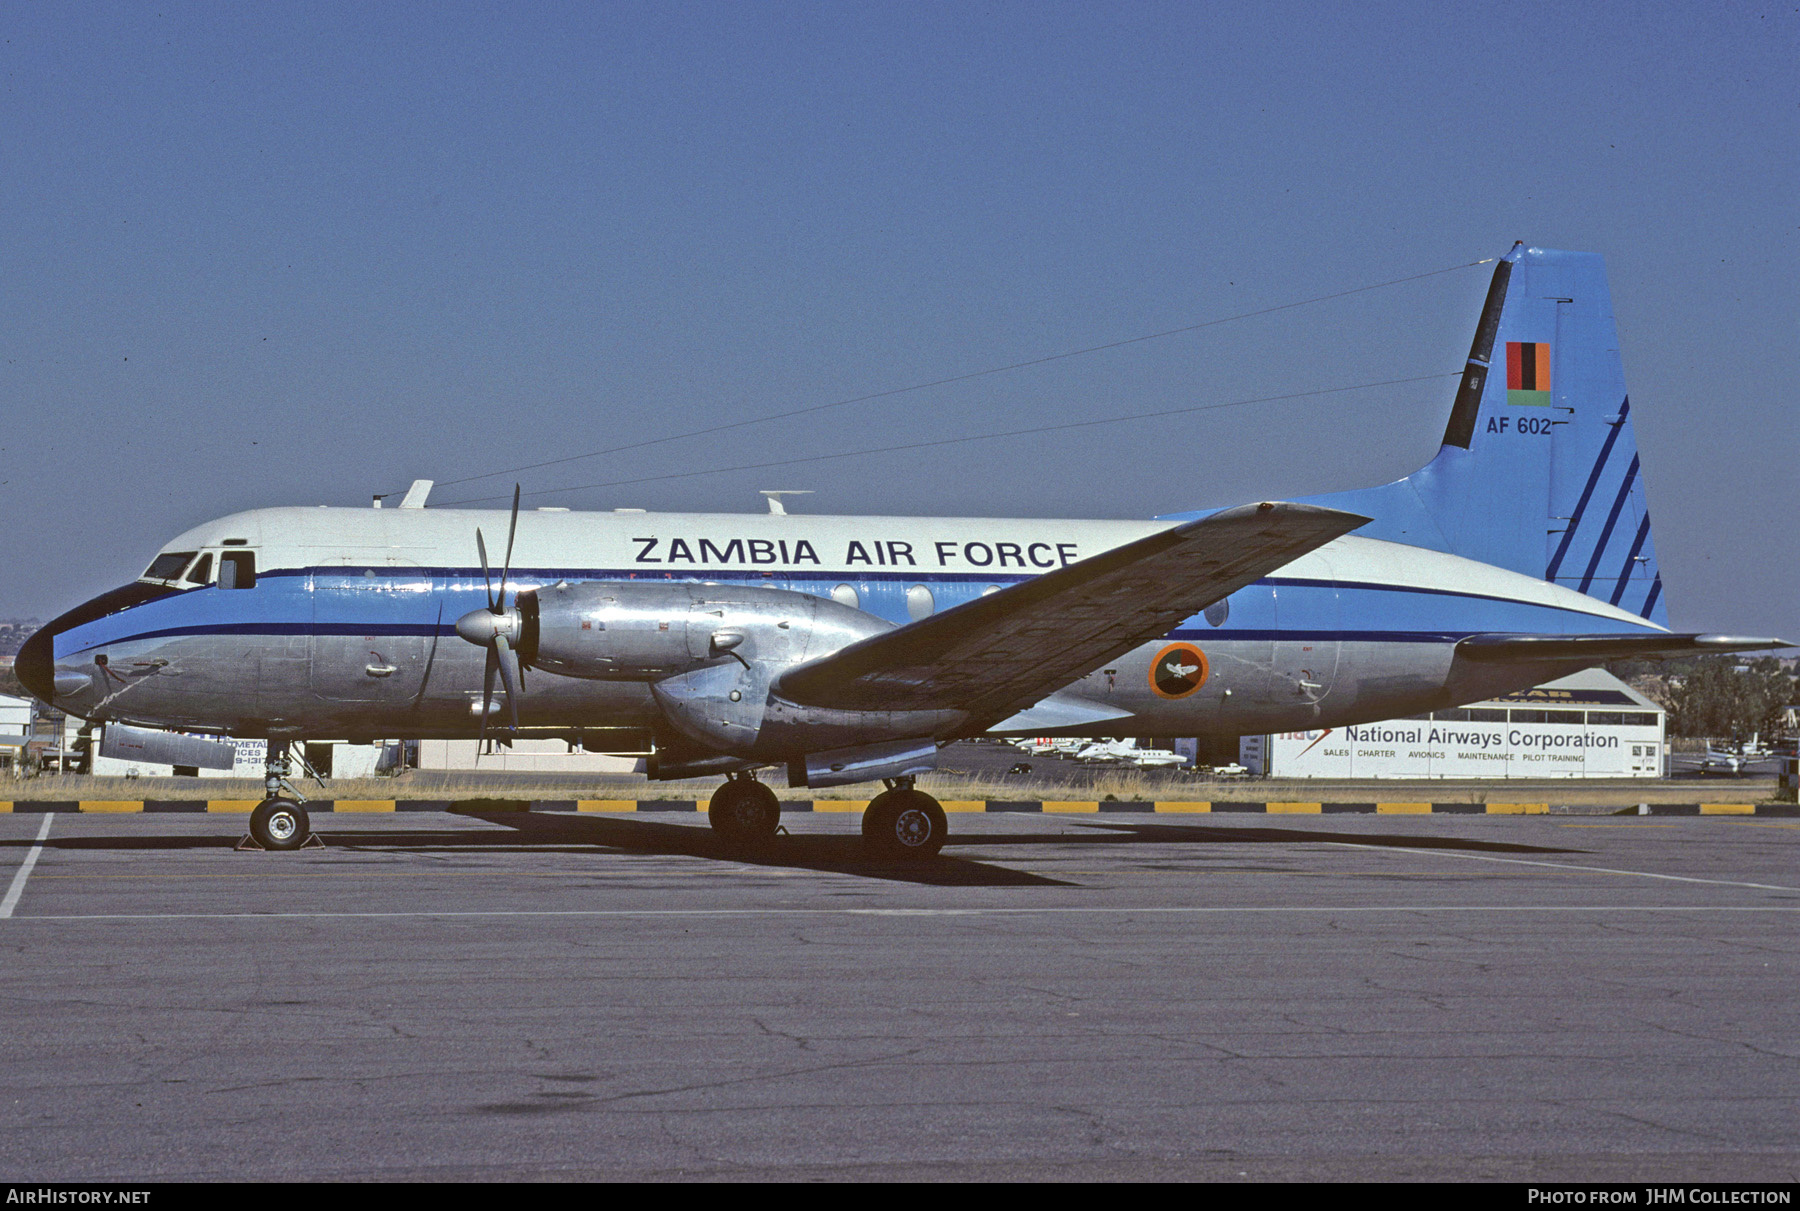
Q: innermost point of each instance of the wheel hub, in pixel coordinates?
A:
(912, 827)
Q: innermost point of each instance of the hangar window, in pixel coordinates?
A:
(202, 571)
(1605, 718)
(1638, 718)
(1471, 715)
(168, 566)
(237, 570)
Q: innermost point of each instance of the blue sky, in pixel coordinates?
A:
(297, 255)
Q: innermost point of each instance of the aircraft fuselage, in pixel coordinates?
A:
(348, 630)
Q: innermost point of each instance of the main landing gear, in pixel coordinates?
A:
(900, 824)
(279, 822)
(904, 822)
(744, 811)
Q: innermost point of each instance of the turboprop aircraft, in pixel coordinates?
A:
(849, 649)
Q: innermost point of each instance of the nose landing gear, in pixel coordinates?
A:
(279, 822)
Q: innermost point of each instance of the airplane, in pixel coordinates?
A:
(851, 648)
(1104, 752)
(1155, 758)
(1737, 760)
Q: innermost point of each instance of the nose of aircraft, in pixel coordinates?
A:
(35, 665)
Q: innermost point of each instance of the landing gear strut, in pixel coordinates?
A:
(904, 823)
(744, 811)
(279, 822)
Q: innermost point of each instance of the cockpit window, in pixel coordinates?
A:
(202, 571)
(237, 570)
(168, 566)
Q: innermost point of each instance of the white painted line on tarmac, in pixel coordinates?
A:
(1222, 910)
(18, 884)
(1601, 870)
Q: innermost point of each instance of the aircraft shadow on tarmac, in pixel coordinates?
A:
(562, 834)
(842, 854)
(1213, 834)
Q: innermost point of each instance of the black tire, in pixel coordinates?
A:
(280, 824)
(745, 812)
(904, 824)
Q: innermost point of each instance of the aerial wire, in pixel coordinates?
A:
(978, 437)
(955, 378)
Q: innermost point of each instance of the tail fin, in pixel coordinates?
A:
(1539, 470)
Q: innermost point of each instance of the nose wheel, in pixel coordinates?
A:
(744, 811)
(904, 823)
(280, 824)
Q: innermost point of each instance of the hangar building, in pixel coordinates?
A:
(1588, 725)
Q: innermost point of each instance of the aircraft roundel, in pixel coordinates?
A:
(1178, 670)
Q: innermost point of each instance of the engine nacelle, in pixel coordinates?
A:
(711, 653)
(649, 630)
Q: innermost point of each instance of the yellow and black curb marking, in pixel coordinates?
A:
(1046, 806)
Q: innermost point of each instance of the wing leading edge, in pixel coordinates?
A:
(999, 654)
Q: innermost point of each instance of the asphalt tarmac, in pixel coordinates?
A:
(1231, 998)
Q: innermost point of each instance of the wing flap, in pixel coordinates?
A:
(999, 654)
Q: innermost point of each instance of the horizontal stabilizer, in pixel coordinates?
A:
(1530, 649)
(998, 654)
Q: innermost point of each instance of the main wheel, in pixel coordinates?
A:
(744, 811)
(279, 824)
(904, 823)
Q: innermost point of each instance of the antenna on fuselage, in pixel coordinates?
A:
(415, 495)
(775, 495)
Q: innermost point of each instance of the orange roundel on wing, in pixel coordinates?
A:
(1178, 670)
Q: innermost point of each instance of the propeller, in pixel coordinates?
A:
(497, 628)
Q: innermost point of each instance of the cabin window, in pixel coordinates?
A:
(237, 570)
(202, 570)
(168, 567)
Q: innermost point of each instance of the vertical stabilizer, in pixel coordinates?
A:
(1539, 469)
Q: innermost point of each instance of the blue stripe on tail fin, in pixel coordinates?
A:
(1539, 469)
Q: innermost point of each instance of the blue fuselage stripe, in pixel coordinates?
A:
(410, 603)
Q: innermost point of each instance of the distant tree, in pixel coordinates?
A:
(1713, 698)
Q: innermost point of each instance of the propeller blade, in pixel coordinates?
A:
(511, 530)
(481, 549)
(508, 660)
(487, 697)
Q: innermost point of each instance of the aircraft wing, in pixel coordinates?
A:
(1003, 652)
(1530, 649)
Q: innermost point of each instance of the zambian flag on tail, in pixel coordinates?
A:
(1528, 373)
